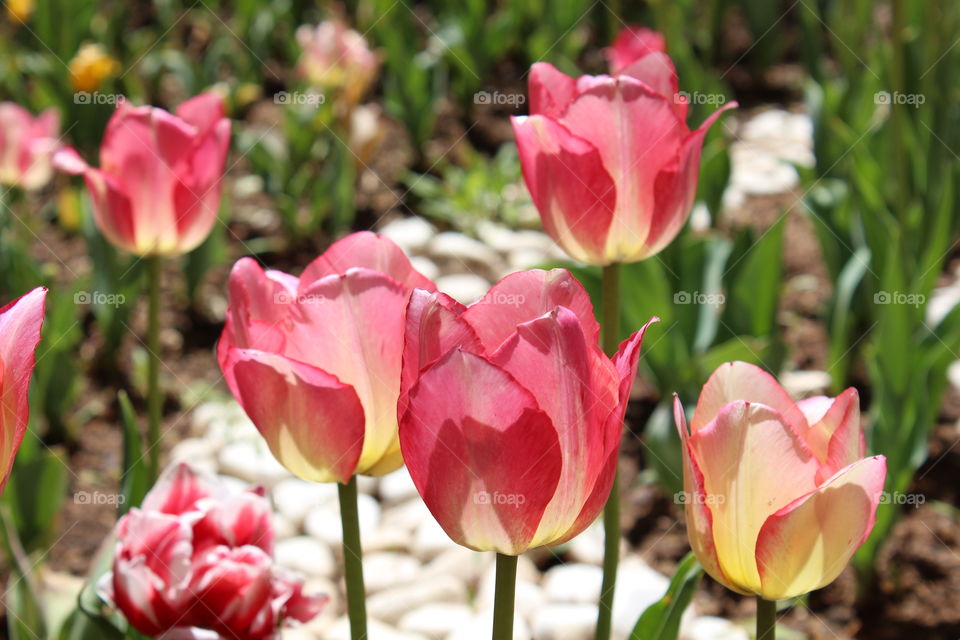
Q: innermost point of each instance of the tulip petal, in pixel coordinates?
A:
(433, 328)
(369, 251)
(656, 70)
(633, 43)
(697, 507)
(196, 192)
(350, 326)
(20, 324)
(552, 358)
(178, 489)
(312, 422)
(753, 464)
(550, 90)
(806, 544)
(835, 436)
(203, 111)
(569, 185)
(525, 295)
(743, 381)
(676, 187)
(484, 457)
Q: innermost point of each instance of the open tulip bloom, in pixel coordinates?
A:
(778, 493)
(315, 362)
(511, 414)
(196, 558)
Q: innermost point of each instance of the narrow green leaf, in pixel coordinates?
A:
(661, 620)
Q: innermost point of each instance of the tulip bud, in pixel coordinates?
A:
(335, 57)
(27, 145)
(90, 67)
(157, 190)
(778, 494)
(511, 414)
(315, 360)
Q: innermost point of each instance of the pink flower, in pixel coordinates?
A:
(197, 557)
(511, 414)
(157, 190)
(315, 360)
(778, 493)
(20, 323)
(27, 145)
(609, 160)
(337, 57)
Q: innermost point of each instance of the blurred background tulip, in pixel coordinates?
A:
(198, 556)
(778, 494)
(27, 144)
(511, 413)
(20, 323)
(91, 67)
(315, 360)
(336, 58)
(157, 190)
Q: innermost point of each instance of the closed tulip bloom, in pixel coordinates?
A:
(27, 144)
(778, 493)
(315, 360)
(335, 57)
(196, 557)
(608, 160)
(511, 414)
(157, 190)
(20, 323)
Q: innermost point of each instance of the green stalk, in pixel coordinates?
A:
(610, 318)
(897, 110)
(353, 560)
(504, 596)
(766, 619)
(154, 397)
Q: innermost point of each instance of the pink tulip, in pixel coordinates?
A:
(20, 323)
(27, 145)
(631, 44)
(778, 494)
(196, 558)
(609, 160)
(510, 413)
(157, 190)
(315, 360)
(335, 57)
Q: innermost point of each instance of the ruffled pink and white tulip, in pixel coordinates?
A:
(511, 414)
(157, 190)
(315, 360)
(608, 160)
(195, 559)
(27, 144)
(778, 493)
(20, 324)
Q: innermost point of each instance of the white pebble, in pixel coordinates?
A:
(436, 620)
(410, 234)
(565, 622)
(463, 287)
(307, 555)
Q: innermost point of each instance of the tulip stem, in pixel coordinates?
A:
(353, 560)
(610, 317)
(504, 596)
(154, 398)
(766, 619)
